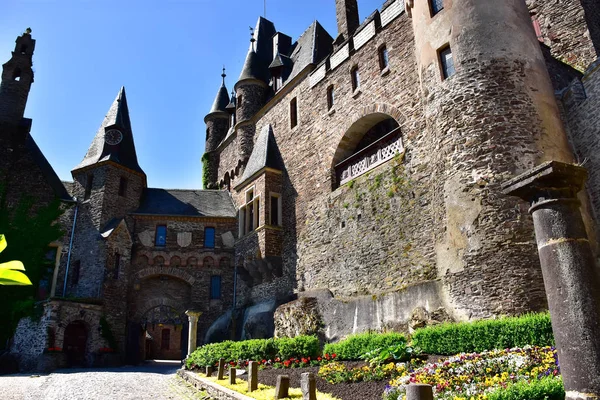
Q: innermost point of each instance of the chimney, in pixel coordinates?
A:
(347, 17)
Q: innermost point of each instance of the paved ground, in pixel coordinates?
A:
(155, 380)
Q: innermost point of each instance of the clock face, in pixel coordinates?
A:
(113, 137)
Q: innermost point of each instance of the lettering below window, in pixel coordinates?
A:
(161, 236)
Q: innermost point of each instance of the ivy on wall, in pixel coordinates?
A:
(205, 170)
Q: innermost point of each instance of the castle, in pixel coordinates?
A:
(349, 181)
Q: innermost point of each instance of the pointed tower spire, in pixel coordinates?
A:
(114, 139)
(222, 99)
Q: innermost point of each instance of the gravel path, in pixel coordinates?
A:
(156, 380)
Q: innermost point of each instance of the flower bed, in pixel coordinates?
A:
(478, 374)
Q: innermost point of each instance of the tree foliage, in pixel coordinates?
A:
(10, 272)
(30, 228)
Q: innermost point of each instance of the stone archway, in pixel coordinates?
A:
(369, 139)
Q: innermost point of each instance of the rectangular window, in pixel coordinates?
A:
(330, 97)
(88, 186)
(215, 287)
(436, 6)
(76, 270)
(447, 62)
(294, 112)
(275, 211)
(209, 238)
(355, 78)
(239, 101)
(165, 339)
(384, 60)
(122, 186)
(250, 212)
(161, 236)
(117, 266)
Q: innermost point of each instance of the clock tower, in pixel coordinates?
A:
(109, 181)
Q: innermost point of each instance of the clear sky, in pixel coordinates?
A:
(167, 53)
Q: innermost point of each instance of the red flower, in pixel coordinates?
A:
(333, 355)
(319, 358)
(264, 361)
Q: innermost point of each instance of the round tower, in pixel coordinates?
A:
(217, 124)
(251, 91)
(491, 114)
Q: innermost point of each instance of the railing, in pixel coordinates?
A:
(370, 157)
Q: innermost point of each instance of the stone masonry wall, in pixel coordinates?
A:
(565, 30)
(582, 102)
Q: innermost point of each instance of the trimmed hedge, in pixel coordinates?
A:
(255, 350)
(549, 388)
(454, 338)
(354, 347)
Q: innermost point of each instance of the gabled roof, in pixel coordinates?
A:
(123, 153)
(264, 155)
(187, 203)
(47, 171)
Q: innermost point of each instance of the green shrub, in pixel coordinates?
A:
(256, 350)
(454, 338)
(300, 346)
(355, 347)
(549, 388)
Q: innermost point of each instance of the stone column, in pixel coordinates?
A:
(569, 271)
(193, 329)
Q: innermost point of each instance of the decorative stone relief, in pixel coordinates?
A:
(228, 239)
(184, 239)
(146, 237)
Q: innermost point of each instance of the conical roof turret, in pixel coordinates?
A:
(114, 138)
(253, 68)
(222, 99)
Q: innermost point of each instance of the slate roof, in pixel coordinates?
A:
(110, 227)
(123, 153)
(253, 68)
(264, 155)
(311, 48)
(187, 203)
(221, 100)
(49, 174)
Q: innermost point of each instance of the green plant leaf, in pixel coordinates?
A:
(3, 243)
(14, 265)
(13, 278)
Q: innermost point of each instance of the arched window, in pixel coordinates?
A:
(208, 262)
(368, 143)
(224, 262)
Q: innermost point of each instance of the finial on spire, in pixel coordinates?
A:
(28, 31)
(223, 74)
(252, 40)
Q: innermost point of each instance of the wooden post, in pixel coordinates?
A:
(221, 372)
(252, 376)
(232, 375)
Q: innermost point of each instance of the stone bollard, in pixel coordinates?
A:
(569, 270)
(252, 376)
(221, 372)
(209, 371)
(419, 392)
(232, 375)
(308, 385)
(283, 387)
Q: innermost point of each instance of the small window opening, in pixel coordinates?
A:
(384, 60)
(209, 237)
(215, 287)
(23, 49)
(294, 112)
(161, 236)
(239, 100)
(117, 266)
(17, 75)
(76, 272)
(355, 78)
(207, 133)
(330, 97)
(88, 187)
(436, 6)
(275, 211)
(122, 186)
(447, 62)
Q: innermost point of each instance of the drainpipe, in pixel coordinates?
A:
(70, 246)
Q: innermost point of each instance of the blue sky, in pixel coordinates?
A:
(168, 54)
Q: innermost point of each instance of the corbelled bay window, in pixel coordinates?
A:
(249, 213)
